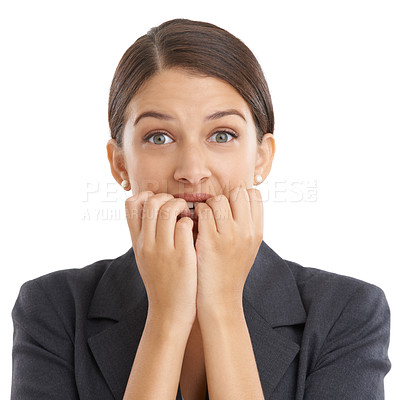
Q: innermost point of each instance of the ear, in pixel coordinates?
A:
(117, 161)
(265, 155)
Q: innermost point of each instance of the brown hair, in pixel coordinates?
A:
(199, 48)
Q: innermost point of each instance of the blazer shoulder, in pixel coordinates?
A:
(328, 289)
(66, 293)
(346, 335)
(72, 281)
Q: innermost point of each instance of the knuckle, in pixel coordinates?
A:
(144, 246)
(249, 236)
(217, 199)
(221, 213)
(151, 201)
(164, 212)
(140, 242)
(131, 199)
(128, 206)
(146, 251)
(164, 196)
(203, 209)
(154, 201)
(131, 202)
(143, 197)
(235, 192)
(201, 206)
(171, 207)
(182, 201)
(131, 212)
(177, 202)
(254, 194)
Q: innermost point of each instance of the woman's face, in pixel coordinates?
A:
(180, 137)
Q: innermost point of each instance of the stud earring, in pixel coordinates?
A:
(258, 179)
(125, 184)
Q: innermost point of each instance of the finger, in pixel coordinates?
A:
(222, 212)
(133, 211)
(205, 220)
(183, 233)
(150, 212)
(240, 206)
(166, 221)
(257, 209)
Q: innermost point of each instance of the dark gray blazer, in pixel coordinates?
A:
(315, 335)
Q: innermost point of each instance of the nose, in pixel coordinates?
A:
(191, 165)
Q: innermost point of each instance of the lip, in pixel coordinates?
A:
(193, 197)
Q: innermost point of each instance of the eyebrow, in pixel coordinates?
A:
(153, 114)
(211, 117)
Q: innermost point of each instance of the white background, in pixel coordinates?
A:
(331, 200)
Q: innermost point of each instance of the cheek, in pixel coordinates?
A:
(239, 170)
(148, 174)
(233, 175)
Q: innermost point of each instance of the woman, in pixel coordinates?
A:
(199, 307)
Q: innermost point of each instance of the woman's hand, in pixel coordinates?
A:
(230, 232)
(165, 254)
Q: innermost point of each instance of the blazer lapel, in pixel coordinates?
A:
(121, 299)
(270, 299)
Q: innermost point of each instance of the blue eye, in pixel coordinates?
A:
(221, 136)
(158, 138)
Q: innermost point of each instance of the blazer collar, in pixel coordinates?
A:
(270, 299)
(272, 290)
(120, 289)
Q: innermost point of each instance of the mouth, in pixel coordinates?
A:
(192, 199)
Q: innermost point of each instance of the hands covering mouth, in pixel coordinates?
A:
(185, 265)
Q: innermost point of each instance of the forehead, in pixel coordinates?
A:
(180, 91)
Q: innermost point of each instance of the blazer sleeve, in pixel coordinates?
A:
(354, 361)
(42, 356)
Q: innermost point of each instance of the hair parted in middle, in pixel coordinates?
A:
(196, 47)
